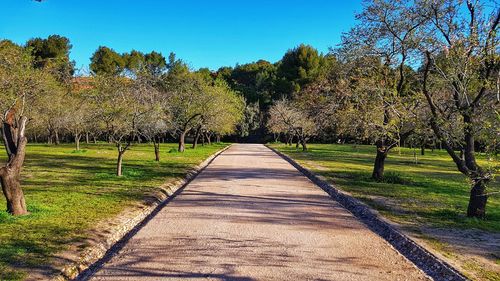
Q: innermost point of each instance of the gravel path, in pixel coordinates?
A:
(250, 215)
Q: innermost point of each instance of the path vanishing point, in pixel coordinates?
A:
(250, 215)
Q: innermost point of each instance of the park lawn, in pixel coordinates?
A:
(429, 195)
(68, 192)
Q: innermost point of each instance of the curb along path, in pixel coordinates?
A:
(250, 215)
(99, 250)
(432, 265)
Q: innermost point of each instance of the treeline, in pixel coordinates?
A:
(262, 83)
(129, 97)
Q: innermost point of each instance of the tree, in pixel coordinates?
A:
(298, 67)
(251, 120)
(51, 113)
(223, 111)
(20, 86)
(461, 70)
(77, 115)
(152, 122)
(147, 70)
(106, 61)
(117, 112)
(286, 117)
(52, 54)
(382, 35)
(134, 62)
(255, 81)
(155, 63)
(185, 101)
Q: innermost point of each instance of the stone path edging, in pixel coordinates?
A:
(421, 257)
(102, 250)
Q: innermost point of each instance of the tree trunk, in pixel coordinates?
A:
(11, 188)
(119, 163)
(208, 139)
(56, 134)
(422, 150)
(378, 166)
(87, 140)
(202, 139)
(156, 144)
(95, 139)
(477, 201)
(218, 138)
(121, 151)
(77, 141)
(15, 145)
(304, 145)
(466, 162)
(182, 144)
(196, 137)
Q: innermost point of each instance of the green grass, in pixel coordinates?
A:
(431, 192)
(427, 194)
(68, 192)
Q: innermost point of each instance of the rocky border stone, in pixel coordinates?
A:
(104, 249)
(417, 254)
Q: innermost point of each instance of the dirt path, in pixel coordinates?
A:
(252, 216)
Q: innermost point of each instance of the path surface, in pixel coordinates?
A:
(250, 215)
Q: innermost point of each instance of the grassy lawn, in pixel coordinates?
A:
(69, 191)
(429, 194)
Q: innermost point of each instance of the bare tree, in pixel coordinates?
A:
(387, 31)
(286, 117)
(117, 112)
(461, 70)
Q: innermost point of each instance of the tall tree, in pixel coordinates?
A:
(117, 112)
(223, 111)
(382, 34)
(20, 85)
(155, 63)
(286, 117)
(298, 67)
(52, 54)
(461, 70)
(185, 101)
(107, 61)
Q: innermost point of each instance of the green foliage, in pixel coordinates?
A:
(52, 54)
(21, 85)
(107, 61)
(176, 67)
(251, 120)
(255, 81)
(299, 67)
(70, 194)
(155, 63)
(206, 74)
(134, 61)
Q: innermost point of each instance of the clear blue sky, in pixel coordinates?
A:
(203, 33)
